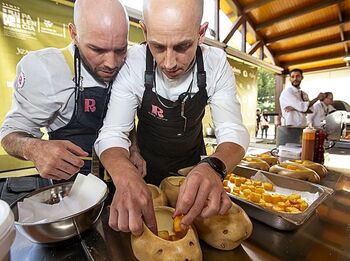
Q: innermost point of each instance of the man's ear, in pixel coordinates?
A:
(73, 33)
(144, 29)
(202, 29)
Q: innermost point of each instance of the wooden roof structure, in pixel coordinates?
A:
(311, 35)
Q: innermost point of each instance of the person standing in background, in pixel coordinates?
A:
(264, 123)
(258, 119)
(295, 103)
(320, 110)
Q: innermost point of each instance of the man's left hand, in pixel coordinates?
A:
(139, 162)
(202, 193)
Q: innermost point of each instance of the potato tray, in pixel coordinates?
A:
(279, 220)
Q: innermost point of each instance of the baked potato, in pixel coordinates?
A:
(149, 246)
(318, 168)
(295, 171)
(158, 196)
(171, 187)
(268, 158)
(254, 162)
(225, 232)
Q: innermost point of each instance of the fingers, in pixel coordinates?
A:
(197, 207)
(72, 159)
(123, 220)
(187, 194)
(135, 222)
(144, 169)
(213, 206)
(150, 218)
(56, 174)
(113, 218)
(76, 150)
(226, 204)
(68, 168)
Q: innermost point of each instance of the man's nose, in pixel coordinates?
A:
(113, 60)
(170, 59)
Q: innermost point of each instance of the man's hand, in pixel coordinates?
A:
(138, 161)
(202, 193)
(132, 203)
(289, 109)
(55, 159)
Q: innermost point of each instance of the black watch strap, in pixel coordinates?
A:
(217, 165)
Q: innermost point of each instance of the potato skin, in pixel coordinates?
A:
(257, 163)
(148, 246)
(303, 173)
(171, 187)
(318, 168)
(158, 196)
(225, 232)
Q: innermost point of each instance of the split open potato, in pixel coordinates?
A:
(318, 168)
(295, 171)
(171, 187)
(254, 162)
(268, 158)
(158, 196)
(149, 246)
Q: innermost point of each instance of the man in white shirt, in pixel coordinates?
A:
(67, 91)
(169, 82)
(295, 103)
(320, 110)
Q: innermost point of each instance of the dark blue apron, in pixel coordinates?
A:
(170, 133)
(89, 111)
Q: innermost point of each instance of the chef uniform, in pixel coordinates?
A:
(170, 111)
(299, 100)
(319, 112)
(54, 91)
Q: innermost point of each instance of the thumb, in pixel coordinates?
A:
(75, 149)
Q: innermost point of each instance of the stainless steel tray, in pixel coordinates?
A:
(281, 221)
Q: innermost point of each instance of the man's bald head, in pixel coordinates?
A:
(191, 10)
(99, 15)
(101, 35)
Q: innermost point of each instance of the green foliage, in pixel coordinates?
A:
(266, 90)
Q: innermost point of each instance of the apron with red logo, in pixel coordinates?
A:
(169, 134)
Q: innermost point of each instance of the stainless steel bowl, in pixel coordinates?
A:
(65, 228)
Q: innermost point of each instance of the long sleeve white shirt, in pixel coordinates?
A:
(128, 89)
(319, 113)
(291, 96)
(43, 93)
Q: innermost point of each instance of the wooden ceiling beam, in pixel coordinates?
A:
(239, 21)
(313, 46)
(314, 59)
(255, 5)
(297, 13)
(252, 25)
(341, 27)
(307, 30)
(255, 47)
(326, 67)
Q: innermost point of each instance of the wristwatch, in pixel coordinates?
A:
(217, 165)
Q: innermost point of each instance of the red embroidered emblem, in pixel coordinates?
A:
(90, 105)
(157, 111)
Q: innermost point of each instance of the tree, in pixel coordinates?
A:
(266, 90)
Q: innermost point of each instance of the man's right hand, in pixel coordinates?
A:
(132, 204)
(55, 159)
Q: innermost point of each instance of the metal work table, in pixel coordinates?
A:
(325, 236)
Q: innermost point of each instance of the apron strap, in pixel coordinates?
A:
(69, 59)
(149, 73)
(201, 75)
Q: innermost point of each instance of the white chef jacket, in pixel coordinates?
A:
(43, 93)
(292, 96)
(319, 113)
(128, 89)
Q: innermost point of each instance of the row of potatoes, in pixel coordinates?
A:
(172, 243)
(299, 169)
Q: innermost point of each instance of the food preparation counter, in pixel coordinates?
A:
(325, 236)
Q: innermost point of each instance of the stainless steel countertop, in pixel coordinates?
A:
(325, 236)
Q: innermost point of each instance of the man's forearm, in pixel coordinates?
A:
(133, 138)
(19, 144)
(230, 153)
(116, 162)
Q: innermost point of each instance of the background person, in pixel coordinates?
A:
(294, 102)
(320, 110)
(169, 82)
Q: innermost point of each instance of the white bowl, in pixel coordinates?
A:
(7, 230)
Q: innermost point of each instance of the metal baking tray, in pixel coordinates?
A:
(281, 221)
